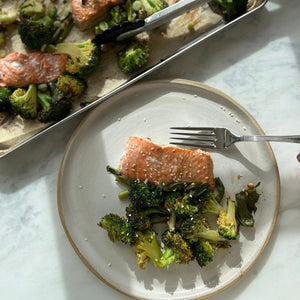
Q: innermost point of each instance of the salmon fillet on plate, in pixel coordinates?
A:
(143, 160)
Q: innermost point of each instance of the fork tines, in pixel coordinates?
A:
(201, 137)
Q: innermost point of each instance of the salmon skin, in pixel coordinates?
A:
(145, 161)
(20, 70)
(89, 12)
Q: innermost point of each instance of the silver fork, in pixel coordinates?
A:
(220, 138)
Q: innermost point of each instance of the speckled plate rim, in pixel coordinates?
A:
(185, 83)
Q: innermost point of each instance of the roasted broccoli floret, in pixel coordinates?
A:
(246, 206)
(24, 102)
(67, 86)
(36, 26)
(32, 8)
(147, 247)
(195, 227)
(233, 8)
(83, 58)
(178, 206)
(228, 227)
(52, 110)
(117, 15)
(176, 249)
(204, 252)
(133, 57)
(118, 229)
(143, 218)
(211, 205)
(130, 11)
(142, 194)
(5, 93)
(145, 194)
(146, 8)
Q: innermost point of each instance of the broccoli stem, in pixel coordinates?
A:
(120, 177)
(44, 100)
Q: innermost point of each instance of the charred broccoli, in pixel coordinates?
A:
(211, 205)
(142, 218)
(5, 93)
(130, 11)
(195, 227)
(147, 247)
(67, 86)
(52, 110)
(233, 8)
(83, 58)
(133, 57)
(204, 252)
(146, 8)
(24, 102)
(142, 194)
(246, 206)
(36, 26)
(176, 249)
(118, 229)
(228, 227)
(117, 15)
(40, 24)
(180, 206)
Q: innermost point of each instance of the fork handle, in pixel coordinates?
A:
(274, 138)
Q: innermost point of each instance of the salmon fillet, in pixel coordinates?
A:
(19, 70)
(90, 12)
(146, 161)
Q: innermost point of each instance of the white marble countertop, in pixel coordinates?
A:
(256, 62)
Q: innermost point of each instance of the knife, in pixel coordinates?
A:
(128, 29)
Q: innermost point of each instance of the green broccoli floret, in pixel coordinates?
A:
(146, 8)
(36, 26)
(5, 93)
(177, 206)
(147, 248)
(67, 86)
(145, 194)
(204, 252)
(52, 110)
(211, 205)
(195, 227)
(83, 58)
(143, 218)
(142, 194)
(133, 57)
(24, 102)
(228, 227)
(233, 8)
(117, 15)
(118, 229)
(246, 206)
(176, 249)
(32, 8)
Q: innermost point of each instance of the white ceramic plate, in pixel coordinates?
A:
(86, 192)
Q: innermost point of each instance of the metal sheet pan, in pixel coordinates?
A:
(14, 143)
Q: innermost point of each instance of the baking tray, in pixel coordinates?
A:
(11, 144)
